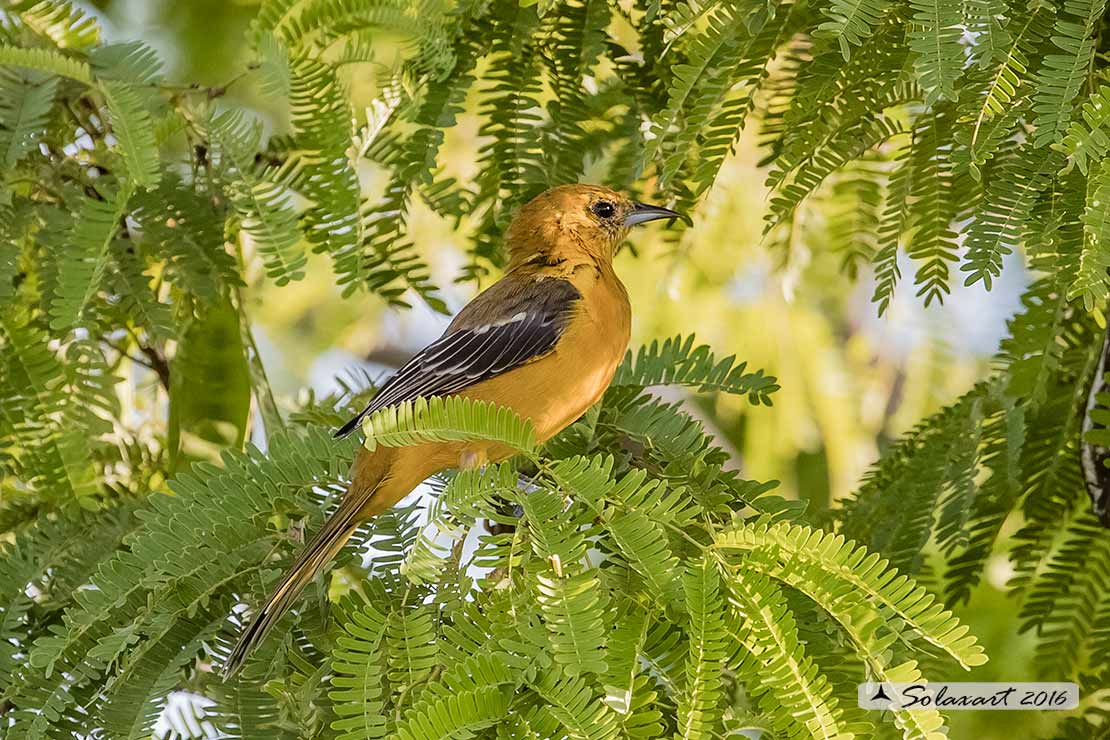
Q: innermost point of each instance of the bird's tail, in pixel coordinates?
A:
(317, 553)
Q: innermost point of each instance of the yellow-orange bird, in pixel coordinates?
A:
(543, 340)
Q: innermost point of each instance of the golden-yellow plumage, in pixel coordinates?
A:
(543, 340)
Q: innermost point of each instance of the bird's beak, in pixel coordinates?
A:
(641, 213)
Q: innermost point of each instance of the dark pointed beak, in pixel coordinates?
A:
(641, 213)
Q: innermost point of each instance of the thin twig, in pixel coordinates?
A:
(157, 362)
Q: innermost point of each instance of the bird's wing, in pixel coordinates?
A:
(514, 321)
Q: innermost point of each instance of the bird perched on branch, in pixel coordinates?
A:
(544, 340)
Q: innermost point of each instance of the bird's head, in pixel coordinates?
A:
(587, 221)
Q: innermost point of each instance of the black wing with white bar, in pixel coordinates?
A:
(511, 323)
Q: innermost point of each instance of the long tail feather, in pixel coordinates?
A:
(317, 553)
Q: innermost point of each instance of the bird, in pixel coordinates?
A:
(544, 340)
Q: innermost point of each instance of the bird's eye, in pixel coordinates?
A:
(603, 209)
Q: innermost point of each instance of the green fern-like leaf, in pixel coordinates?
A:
(261, 204)
(724, 51)
(133, 698)
(733, 102)
(244, 492)
(62, 23)
(339, 220)
(244, 710)
(856, 200)
(870, 574)
(1011, 72)
(24, 108)
(678, 362)
(131, 62)
(473, 696)
(1065, 603)
(1004, 437)
(699, 705)
(357, 683)
(468, 495)
(512, 162)
(591, 479)
(573, 45)
(1089, 141)
(452, 418)
(273, 65)
(411, 648)
(568, 595)
(623, 658)
(9, 257)
(136, 298)
(987, 20)
(181, 230)
(86, 257)
(1032, 351)
(933, 246)
(1003, 213)
(892, 228)
(414, 164)
(723, 26)
(572, 703)
(989, 117)
(927, 724)
(895, 511)
(572, 610)
(846, 144)
(132, 126)
(49, 61)
(935, 40)
(851, 22)
(788, 681)
(57, 555)
(51, 408)
(1092, 280)
(644, 543)
(1061, 75)
(322, 123)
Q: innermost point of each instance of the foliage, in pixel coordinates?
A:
(623, 579)
(447, 419)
